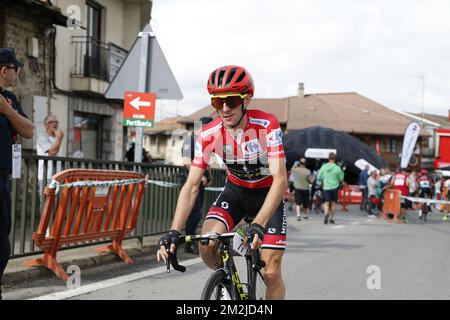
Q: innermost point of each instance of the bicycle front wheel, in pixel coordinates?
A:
(258, 287)
(218, 287)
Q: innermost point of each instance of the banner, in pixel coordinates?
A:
(409, 142)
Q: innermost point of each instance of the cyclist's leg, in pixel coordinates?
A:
(209, 253)
(223, 215)
(272, 252)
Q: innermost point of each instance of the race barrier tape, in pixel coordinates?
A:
(425, 200)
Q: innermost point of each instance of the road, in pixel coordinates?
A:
(358, 258)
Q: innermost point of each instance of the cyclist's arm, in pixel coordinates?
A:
(278, 170)
(187, 197)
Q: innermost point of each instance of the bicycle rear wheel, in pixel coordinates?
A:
(218, 287)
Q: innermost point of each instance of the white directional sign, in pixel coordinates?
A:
(159, 77)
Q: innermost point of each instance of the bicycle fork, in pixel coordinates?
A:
(230, 270)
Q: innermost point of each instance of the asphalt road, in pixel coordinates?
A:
(358, 258)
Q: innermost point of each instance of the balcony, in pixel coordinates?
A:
(96, 64)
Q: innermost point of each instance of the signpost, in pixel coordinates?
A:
(145, 71)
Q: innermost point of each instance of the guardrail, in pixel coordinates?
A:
(157, 208)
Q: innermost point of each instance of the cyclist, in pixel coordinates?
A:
(250, 144)
(424, 192)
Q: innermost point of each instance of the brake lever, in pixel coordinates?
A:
(256, 257)
(172, 258)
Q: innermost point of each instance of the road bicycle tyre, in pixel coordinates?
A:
(218, 287)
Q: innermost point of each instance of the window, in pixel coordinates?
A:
(392, 145)
(87, 142)
(93, 20)
(93, 60)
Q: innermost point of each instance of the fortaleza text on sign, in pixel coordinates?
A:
(239, 309)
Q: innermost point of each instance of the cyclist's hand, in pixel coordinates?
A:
(255, 234)
(169, 240)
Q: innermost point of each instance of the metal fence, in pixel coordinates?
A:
(157, 208)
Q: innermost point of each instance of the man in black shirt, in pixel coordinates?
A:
(13, 122)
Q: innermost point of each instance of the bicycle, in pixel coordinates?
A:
(225, 283)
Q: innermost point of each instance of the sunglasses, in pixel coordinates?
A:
(232, 101)
(12, 67)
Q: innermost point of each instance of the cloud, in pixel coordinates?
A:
(375, 47)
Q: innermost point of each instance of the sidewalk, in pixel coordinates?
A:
(85, 257)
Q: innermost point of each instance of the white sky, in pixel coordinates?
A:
(377, 48)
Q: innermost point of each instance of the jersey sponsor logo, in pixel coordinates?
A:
(198, 149)
(274, 138)
(275, 153)
(262, 122)
(228, 149)
(281, 242)
(211, 130)
(251, 148)
(272, 230)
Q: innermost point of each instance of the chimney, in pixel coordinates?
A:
(301, 91)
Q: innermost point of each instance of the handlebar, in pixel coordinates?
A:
(204, 239)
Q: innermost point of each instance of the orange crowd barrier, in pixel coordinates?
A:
(345, 196)
(350, 194)
(391, 205)
(95, 210)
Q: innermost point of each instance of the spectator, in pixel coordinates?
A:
(146, 157)
(332, 176)
(13, 122)
(412, 186)
(363, 176)
(129, 155)
(49, 144)
(383, 183)
(301, 185)
(400, 182)
(372, 192)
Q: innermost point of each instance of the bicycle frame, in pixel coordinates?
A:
(230, 270)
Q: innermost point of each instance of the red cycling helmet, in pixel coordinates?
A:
(423, 171)
(230, 79)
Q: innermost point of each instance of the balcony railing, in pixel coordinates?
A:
(96, 59)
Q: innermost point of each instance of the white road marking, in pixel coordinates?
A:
(111, 282)
(338, 227)
(356, 222)
(370, 220)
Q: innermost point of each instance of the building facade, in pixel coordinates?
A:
(25, 26)
(86, 61)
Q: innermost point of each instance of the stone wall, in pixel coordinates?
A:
(17, 27)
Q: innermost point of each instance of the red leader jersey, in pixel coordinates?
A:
(244, 152)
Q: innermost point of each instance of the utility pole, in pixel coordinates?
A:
(422, 76)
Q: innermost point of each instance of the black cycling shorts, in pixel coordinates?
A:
(425, 192)
(302, 198)
(236, 202)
